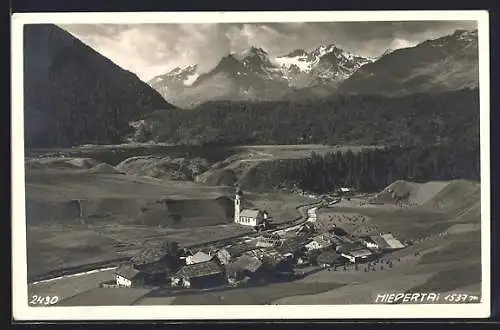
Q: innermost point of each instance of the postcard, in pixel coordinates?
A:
(250, 165)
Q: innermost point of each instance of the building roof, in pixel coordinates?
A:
(201, 269)
(238, 249)
(128, 272)
(293, 244)
(200, 257)
(379, 240)
(249, 213)
(223, 256)
(328, 257)
(360, 253)
(245, 262)
(323, 239)
(347, 248)
(392, 241)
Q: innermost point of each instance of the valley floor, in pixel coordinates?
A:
(78, 217)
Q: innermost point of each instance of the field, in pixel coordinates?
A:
(69, 287)
(256, 295)
(86, 212)
(106, 297)
(445, 255)
(77, 217)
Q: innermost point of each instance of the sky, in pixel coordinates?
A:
(149, 50)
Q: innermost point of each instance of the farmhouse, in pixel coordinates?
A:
(238, 249)
(345, 191)
(330, 258)
(223, 256)
(375, 242)
(199, 275)
(356, 256)
(244, 266)
(155, 263)
(127, 276)
(319, 242)
(247, 217)
(392, 241)
(197, 258)
(294, 246)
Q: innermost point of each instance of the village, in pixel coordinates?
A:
(269, 255)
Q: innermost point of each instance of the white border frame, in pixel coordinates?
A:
(21, 310)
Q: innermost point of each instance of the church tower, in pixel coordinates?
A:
(237, 205)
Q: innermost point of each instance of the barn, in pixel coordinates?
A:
(199, 275)
(127, 276)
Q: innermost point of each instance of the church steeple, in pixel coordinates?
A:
(237, 204)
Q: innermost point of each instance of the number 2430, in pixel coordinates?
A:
(44, 300)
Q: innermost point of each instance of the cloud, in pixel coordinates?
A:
(152, 49)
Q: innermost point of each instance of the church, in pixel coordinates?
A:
(247, 217)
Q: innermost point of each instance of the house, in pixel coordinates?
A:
(356, 256)
(392, 241)
(345, 191)
(375, 242)
(199, 275)
(319, 242)
(369, 242)
(127, 276)
(244, 266)
(294, 245)
(223, 256)
(330, 258)
(198, 257)
(247, 217)
(269, 256)
(238, 249)
(155, 263)
(348, 247)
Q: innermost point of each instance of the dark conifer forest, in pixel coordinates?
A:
(370, 170)
(419, 119)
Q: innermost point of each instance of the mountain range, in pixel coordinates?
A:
(255, 75)
(74, 95)
(443, 64)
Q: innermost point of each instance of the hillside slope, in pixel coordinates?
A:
(444, 64)
(359, 119)
(74, 95)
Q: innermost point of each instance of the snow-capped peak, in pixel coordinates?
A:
(330, 62)
(465, 34)
(182, 74)
(250, 52)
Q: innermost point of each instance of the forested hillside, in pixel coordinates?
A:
(74, 95)
(367, 171)
(419, 119)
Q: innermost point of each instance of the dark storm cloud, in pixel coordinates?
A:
(151, 49)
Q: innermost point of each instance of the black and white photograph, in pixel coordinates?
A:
(291, 163)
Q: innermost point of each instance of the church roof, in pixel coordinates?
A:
(249, 213)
